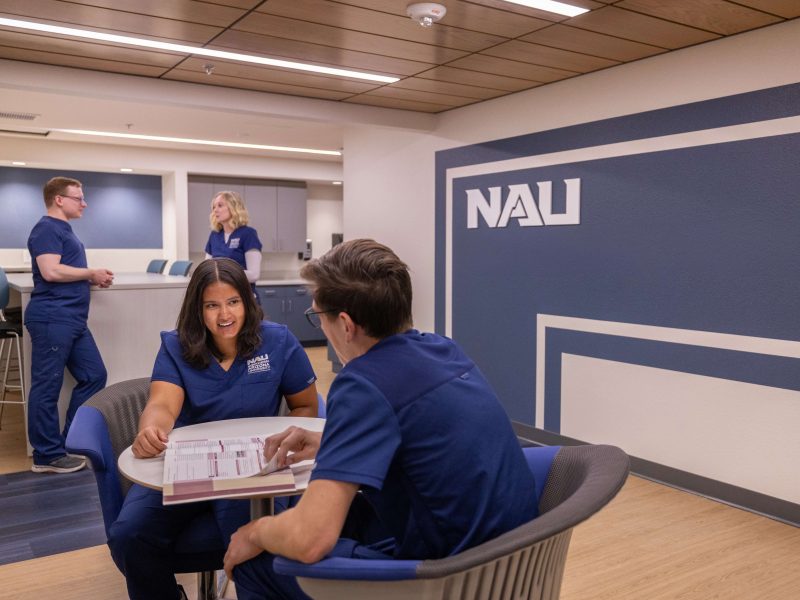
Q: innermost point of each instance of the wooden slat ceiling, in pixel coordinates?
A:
(482, 48)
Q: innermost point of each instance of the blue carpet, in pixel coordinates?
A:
(44, 514)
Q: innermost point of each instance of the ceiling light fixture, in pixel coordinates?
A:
(552, 6)
(126, 170)
(336, 182)
(181, 48)
(162, 138)
(19, 163)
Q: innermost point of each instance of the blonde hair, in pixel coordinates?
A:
(236, 206)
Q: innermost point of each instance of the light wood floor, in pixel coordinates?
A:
(651, 543)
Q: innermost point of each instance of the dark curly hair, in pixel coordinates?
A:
(197, 344)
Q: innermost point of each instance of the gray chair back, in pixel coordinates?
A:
(581, 481)
(121, 405)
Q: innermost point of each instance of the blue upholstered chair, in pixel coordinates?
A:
(180, 267)
(102, 428)
(157, 265)
(573, 483)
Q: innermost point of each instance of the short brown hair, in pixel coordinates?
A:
(196, 343)
(239, 214)
(57, 186)
(366, 280)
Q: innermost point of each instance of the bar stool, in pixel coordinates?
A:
(10, 331)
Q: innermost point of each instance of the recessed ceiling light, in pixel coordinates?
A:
(552, 6)
(182, 48)
(163, 138)
(336, 182)
(126, 170)
(19, 163)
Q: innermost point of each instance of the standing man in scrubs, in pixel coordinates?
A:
(231, 236)
(56, 321)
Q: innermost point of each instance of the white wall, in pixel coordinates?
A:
(389, 174)
(325, 216)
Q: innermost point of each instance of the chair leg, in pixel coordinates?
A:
(15, 343)
(207, 585)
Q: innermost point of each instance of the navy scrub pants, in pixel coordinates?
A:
(142, 538)
(55, 346)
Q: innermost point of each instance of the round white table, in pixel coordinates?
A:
(149, 472)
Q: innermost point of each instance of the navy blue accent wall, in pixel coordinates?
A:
(124, 210)
(698, 238)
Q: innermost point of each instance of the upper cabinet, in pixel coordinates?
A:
(277, 211)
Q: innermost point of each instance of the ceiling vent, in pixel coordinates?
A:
(18, 116)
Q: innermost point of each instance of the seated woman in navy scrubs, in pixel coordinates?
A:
(231, 236)
(204, 372)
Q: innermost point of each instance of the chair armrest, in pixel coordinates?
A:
(349, 568)
(88, 436)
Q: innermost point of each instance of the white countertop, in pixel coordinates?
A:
(281, 282)
(23, 282)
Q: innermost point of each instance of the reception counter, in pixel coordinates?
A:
(125, 320)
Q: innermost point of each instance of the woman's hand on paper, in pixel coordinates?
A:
(303, 444)
(150, 441)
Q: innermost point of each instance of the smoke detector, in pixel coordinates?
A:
(426, 13)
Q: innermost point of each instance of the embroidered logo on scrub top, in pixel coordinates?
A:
(233, 243)
(259, 364)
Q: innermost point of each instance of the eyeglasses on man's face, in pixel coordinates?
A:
(76, 198)
(313, 316)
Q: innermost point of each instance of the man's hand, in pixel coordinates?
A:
(150, 441)
(101, 277)
(241, 549)
(303, 443)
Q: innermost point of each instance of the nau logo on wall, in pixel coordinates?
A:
(495, 209)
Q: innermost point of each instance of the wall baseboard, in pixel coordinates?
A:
(738, 497)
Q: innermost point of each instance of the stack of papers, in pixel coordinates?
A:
(221, 468)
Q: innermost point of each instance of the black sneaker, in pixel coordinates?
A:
(65, 464)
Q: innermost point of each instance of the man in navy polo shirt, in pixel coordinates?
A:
(56, 320)
(418, 459)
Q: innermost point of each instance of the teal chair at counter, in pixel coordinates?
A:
(180, 267)
(157, 265)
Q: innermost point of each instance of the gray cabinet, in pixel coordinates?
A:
(277, 211)
(287, 304)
